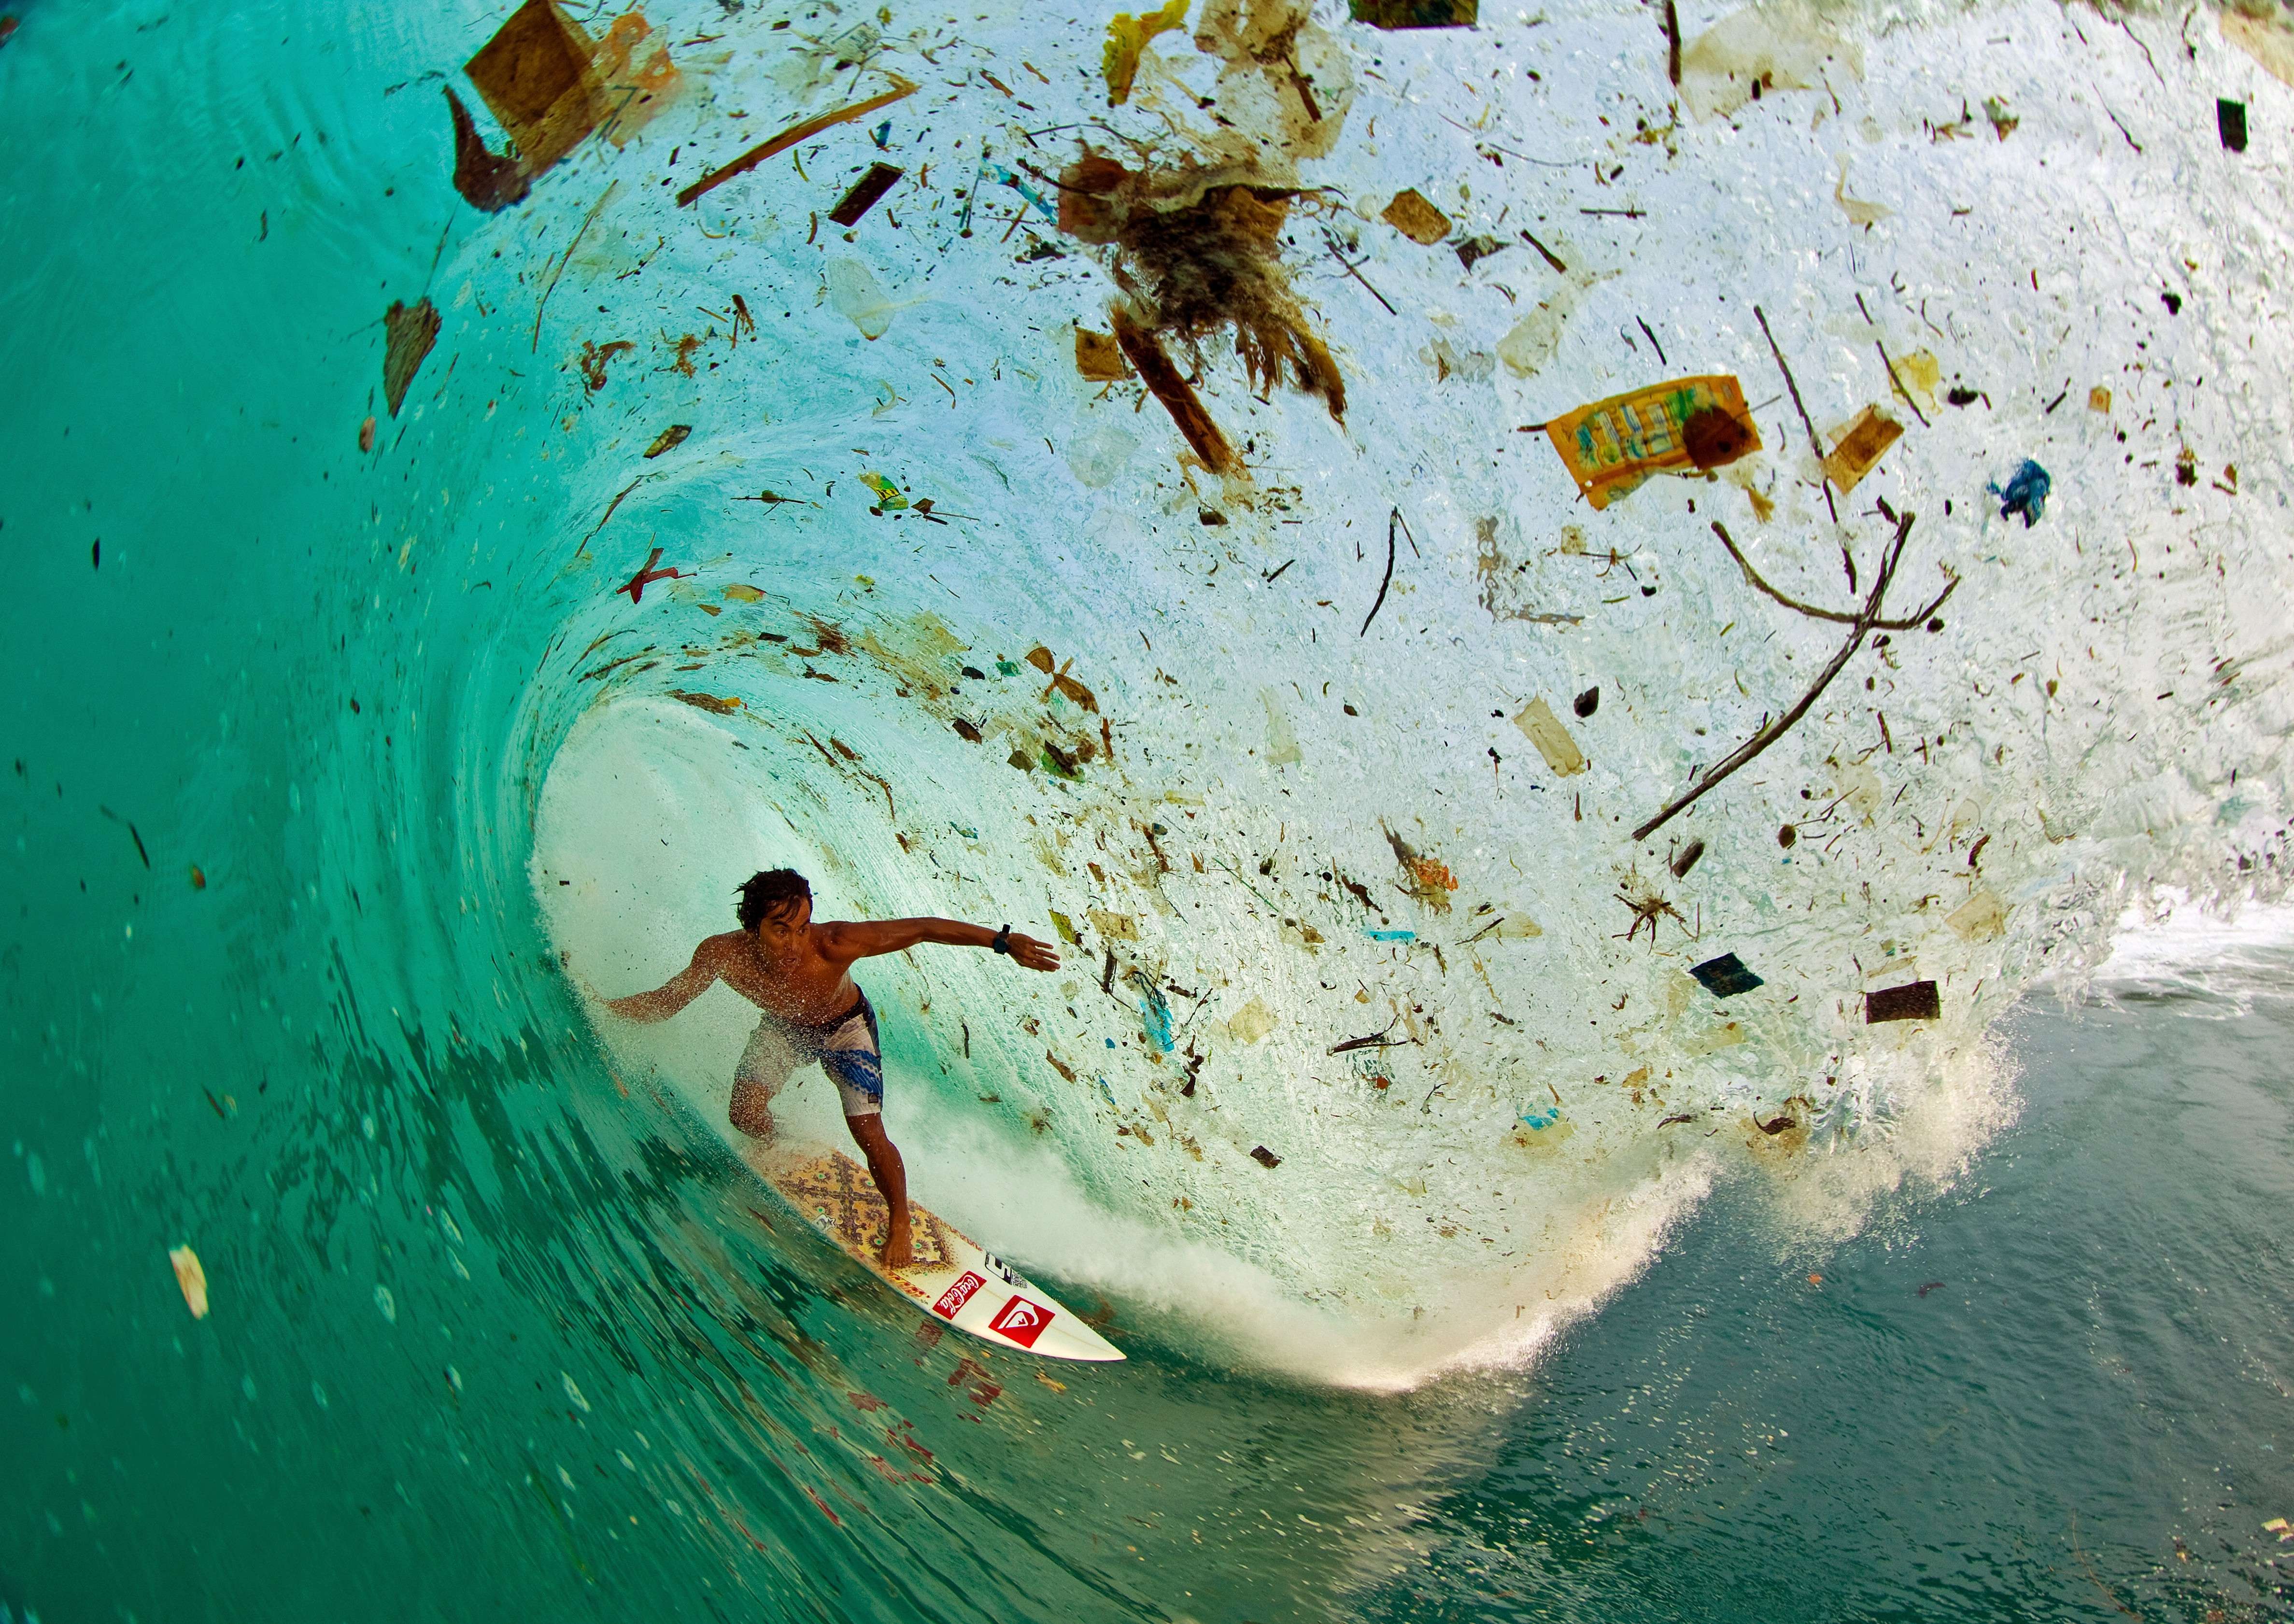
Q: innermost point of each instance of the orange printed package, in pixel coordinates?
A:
(1688, 424)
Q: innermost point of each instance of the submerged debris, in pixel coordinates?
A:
(1415, 218)
(1415, 13)
(410, 329)
(1725, 977)
(1430, 880)
(1126, 38)
(669, 439)
(487, 180)
(2026, 493)
(710, 702)
(1099, 358)
(865, 192)
(1586, 702)
(1611, 446)
(191, 1278)
(1196, 258)
(537, 76)
(1859, 447)
(1914, 1001)
(2230, 124)
(1546, 731)
(1265, 1157)
(803, 130)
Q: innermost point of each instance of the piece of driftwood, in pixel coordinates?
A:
(804, 130)
(1861, 625)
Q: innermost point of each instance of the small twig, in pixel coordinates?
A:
(1811, 609)
(616, 502)
(1768, 735)
(1628, 214)
(1891, 365)
(1661, 361)
(1275, 574)
(1376, 1040)
(1551, 258)
(804, 130)
(1393, 519)
(1814, 444)
(1672, 43)
(588, 220)
(1357, 275)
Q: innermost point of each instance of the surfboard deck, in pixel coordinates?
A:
(954, 1279)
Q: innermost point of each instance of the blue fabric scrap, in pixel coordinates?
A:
(2026, 493)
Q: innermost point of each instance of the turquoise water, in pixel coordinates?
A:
(302, 738)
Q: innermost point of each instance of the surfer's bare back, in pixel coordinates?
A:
(798, 973)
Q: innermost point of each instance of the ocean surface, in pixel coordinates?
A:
(1472, 1259)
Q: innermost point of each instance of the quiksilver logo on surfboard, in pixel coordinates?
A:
(1020, 1319)
(956, 1295)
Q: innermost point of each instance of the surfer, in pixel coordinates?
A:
(798, 973)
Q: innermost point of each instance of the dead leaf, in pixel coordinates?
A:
(410, 330)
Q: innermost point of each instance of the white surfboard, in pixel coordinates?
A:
(953, 1279)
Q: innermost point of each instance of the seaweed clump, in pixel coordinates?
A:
(1197, 253)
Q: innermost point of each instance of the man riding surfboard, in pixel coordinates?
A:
(798, 973)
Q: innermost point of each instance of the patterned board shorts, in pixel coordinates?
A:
(846, 1047)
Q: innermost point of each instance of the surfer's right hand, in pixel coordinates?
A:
(1035, 954)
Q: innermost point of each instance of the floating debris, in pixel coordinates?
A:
(1611, 446)
(2098, 399)
(1416, 218)
(710, 702)
(1725, 977)
(889, 499)
(487, 180)
(2230, 124)
(1981, 918)
(538, 76)
(410, 329)
(635, 585)
(2002, 121)
(1391, 936)
(1196, 260)
(1430, 880)
(669, 439)
(1686, 860)
(2026, 493)
(366, 436)
(1546, 731)
(1914, 1001)
(865, 193)
(1858, 446)
(803, 130)
(1586, 702)
(1126, 38)
(1099, 358)
(191, 1278)
(1415, 13)
(1265, 1157)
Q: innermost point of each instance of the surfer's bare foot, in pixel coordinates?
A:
(751, 1111)
(898, 1250)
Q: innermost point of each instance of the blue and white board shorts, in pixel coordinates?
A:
(847, 1048)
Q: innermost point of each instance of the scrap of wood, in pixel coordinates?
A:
(1154, 368)
(1806, 422)
(1865, 621)
(803, 130)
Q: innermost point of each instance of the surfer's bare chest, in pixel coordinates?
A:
(808, 987)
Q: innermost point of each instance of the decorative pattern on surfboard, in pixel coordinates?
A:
(952, 1279)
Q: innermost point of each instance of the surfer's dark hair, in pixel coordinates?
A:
(768, 893)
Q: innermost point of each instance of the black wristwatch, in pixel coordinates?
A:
(1002, 942)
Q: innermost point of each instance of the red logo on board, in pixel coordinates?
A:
(956, 1295)
(1021, 1320)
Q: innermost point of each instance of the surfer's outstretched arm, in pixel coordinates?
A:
(673, 994)
(866, 938)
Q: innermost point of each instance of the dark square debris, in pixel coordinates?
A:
(1726, 976)
(1914, 1000)
(2230, 121)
